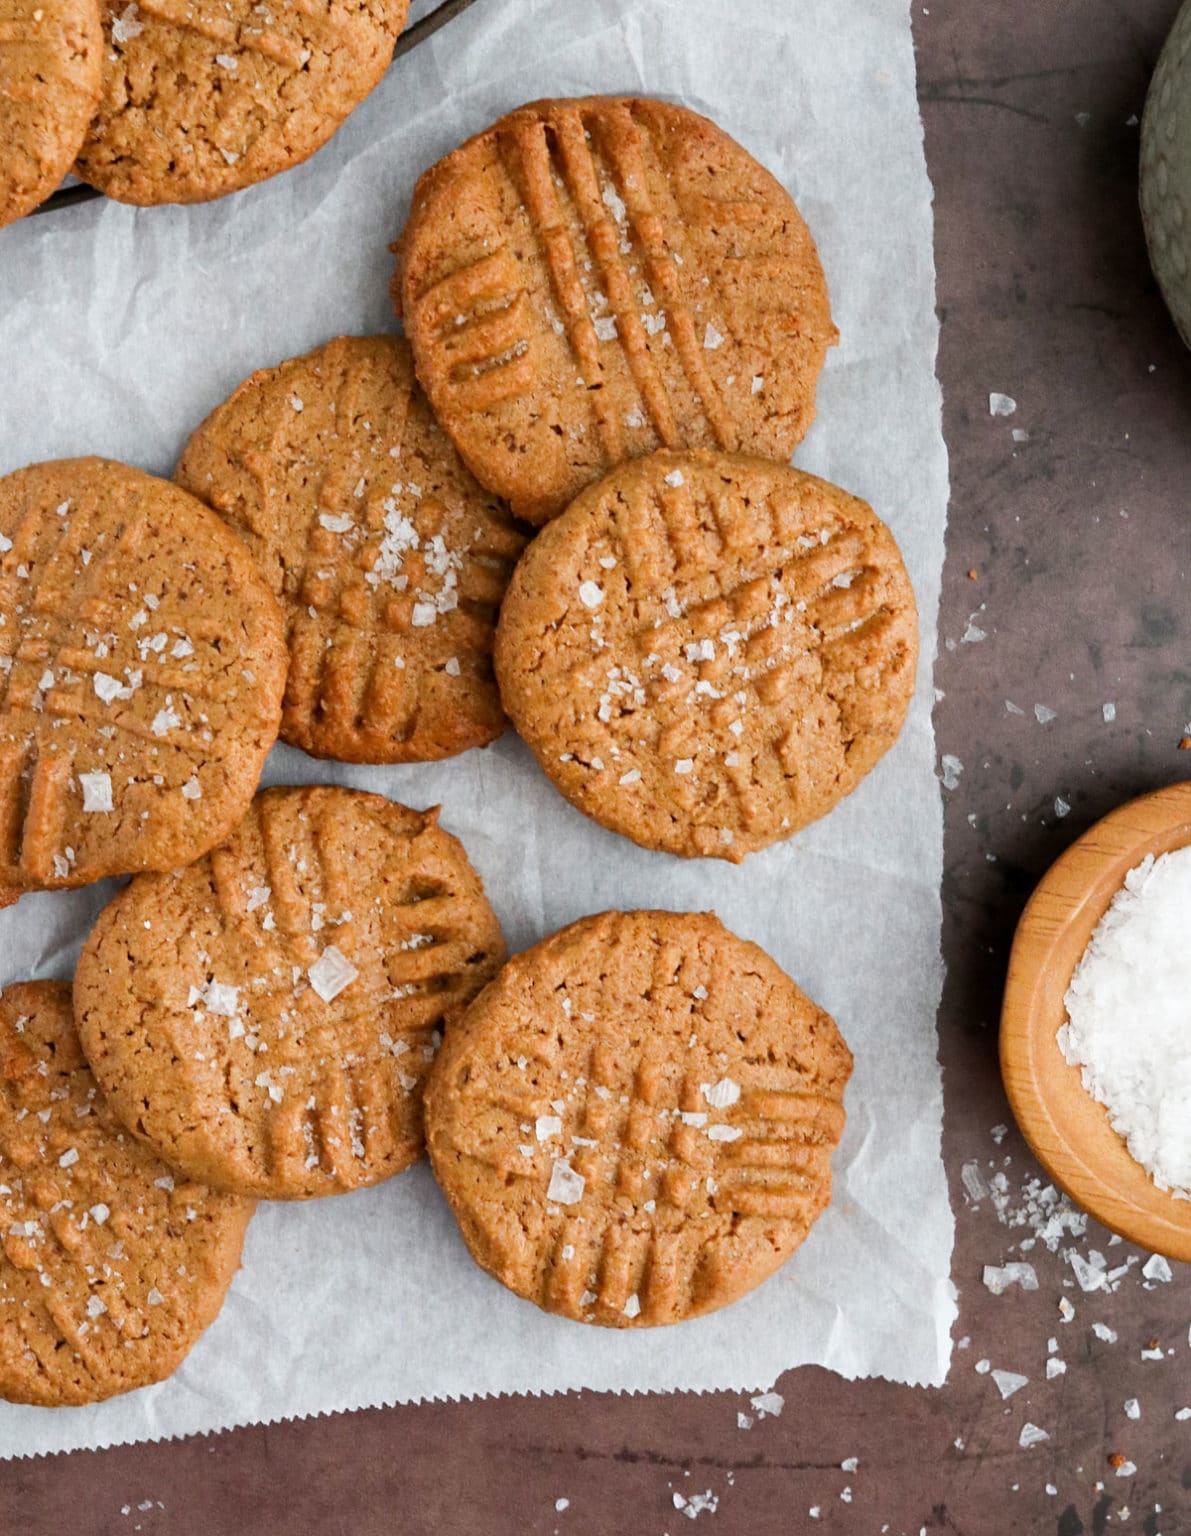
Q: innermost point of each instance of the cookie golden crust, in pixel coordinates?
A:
(266, 1018)
(634, 1123)
(51, 57)
(50, 62)
(590, 280)
(202, 97)
(707, 652)
(389, 560)
(142, 662)
(110, 1266)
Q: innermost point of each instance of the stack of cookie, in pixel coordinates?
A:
(158, 102)
(616, 325)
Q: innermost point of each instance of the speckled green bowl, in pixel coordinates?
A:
(1166, 171)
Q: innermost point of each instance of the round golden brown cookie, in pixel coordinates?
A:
(110, 1267)
(589, 280)
(202, 97)
(389, 560)
(266, 1018)
(142, 663)
(706, 652)
(634, 1123)
(50, 63)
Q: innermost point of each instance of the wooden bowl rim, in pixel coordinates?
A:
(1065, 907)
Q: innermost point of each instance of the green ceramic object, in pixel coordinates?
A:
(1166, 171)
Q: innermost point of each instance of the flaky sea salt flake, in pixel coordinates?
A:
(566, 1186)
(331, 973)
(97, 791)
(1009, 1382)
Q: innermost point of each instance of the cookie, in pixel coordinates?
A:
(142, 663)
(389, 560)
(267, 1017)
(202, 97)
(590, 280)
(50, 64)
(706, 652)
(634, 1123)
(110, 1266)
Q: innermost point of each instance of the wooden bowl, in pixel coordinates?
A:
(1067, 1129)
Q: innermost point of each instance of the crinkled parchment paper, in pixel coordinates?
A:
(120, 329)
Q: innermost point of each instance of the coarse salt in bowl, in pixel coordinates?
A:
(1086, 1021)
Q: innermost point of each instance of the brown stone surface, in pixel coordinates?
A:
(1046, 295)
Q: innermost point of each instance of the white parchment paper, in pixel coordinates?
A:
(120, 329)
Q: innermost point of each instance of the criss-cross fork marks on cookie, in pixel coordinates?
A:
(320, 954)
(718, 656)
(389, 558)
(119, 688)
(637, 1120)
(397, 584)
(109, 1266)
(333, 1082)
(652, 1153)
(621, 294)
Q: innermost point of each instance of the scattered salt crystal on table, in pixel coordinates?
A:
(1132, 1408)
(1001, 405)
(1103, 1331)
(1044, 714)
(974, 1182)
(1156, 1268)
(1030, 1435)
(768, 1404)
(1091, 1277)
(952, 768)
(1009, 1382)
(1127, 1018)
(998, 1280)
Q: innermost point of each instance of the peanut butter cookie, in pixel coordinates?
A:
(266, 1018)
(51, 54)
(589, 280)
(202, 97)
(142, 662)
(634, 1123)
(707, 652)
(110, 1266)
(389, 560)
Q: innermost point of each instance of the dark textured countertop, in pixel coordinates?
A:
(1070, 552)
